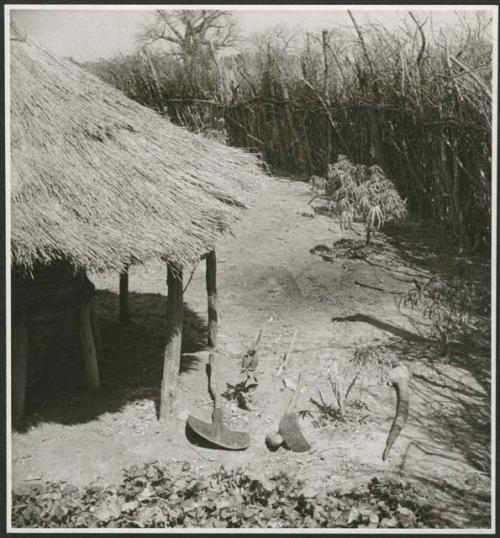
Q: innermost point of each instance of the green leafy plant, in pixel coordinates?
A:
(342, 381)
(448, 305)
(241, 392)
(360, 191)
(155, 496)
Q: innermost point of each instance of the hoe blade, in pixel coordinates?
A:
(216, 433)
(292, 436)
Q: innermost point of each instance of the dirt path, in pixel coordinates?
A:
(269, 280)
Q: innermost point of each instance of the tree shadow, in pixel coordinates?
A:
(426, 247)
(454, 506)
(457, 384)
(352, 249)
(131, 362)
(430, 247)
(459, 414)
(385, 326)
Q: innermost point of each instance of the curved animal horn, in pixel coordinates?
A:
(400, 378)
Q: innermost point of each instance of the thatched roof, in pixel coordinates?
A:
(98, 178)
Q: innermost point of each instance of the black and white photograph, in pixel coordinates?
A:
(250, 268)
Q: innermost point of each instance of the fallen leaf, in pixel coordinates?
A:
(354, 515)
(222, 503)
(146, 515)
(405, 516)
(129, 506)
(309, 490)
(104, 513)
(145, 494)
(373, 518)
(249, 512)
(389, 522)
(58, 512)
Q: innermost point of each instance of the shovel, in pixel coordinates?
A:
(215, 432)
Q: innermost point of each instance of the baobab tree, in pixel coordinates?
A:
(195, 37)
(190, 33)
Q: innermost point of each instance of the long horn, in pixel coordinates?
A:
(400, 378)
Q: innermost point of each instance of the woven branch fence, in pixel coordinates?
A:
(422, 112)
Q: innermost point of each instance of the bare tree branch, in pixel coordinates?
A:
(363, 45)
(192, 31)
(420, 27)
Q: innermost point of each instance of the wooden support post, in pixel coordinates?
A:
(88, 348)
(172, 356)
(211, 280)
(124, 295)
(94, 323)
(19, 363)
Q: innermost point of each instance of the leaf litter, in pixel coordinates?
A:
(152, 496)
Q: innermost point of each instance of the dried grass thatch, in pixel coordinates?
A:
(98, 179)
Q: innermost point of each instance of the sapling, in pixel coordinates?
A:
(241, 392)
(357, 190)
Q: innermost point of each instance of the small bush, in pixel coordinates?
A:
(360, 191)
(342, 378)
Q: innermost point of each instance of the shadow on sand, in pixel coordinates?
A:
(459, 384)
(131, 364)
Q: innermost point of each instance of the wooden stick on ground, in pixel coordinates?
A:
(257, 339)
(286, 358)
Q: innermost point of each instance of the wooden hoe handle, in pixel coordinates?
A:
(212, 379)
(295, 398)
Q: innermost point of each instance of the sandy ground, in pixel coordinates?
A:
(269, 280)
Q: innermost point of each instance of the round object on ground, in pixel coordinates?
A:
(274, 441)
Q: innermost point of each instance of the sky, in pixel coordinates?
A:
(89, 34)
